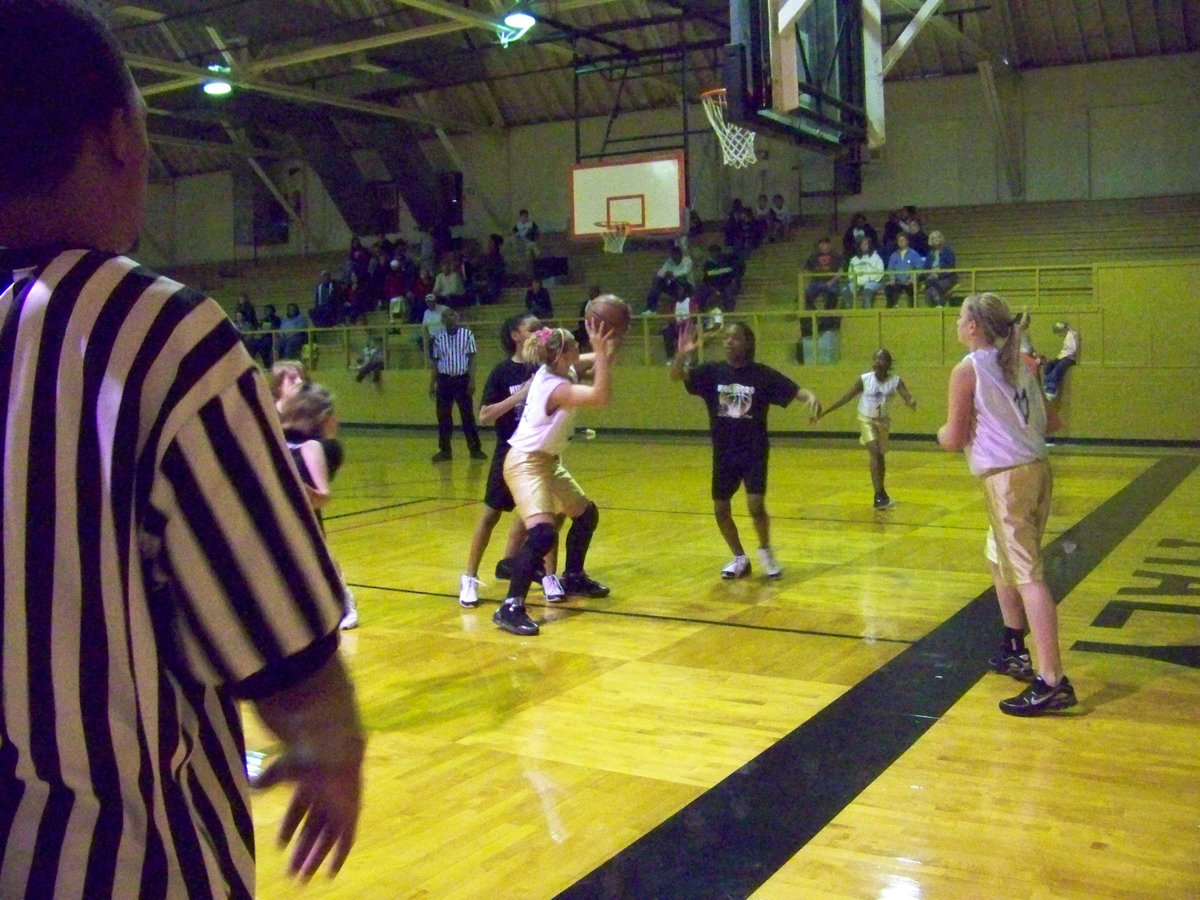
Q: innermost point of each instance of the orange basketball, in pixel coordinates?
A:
(612, 311)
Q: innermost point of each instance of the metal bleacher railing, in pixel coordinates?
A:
(927, 334)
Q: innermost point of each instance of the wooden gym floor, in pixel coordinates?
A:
(830, 734)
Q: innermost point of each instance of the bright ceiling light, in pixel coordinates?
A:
(218, 87)
(520, 17)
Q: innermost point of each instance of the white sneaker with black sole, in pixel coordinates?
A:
(553, 589)
(468, 593)
(738, 567)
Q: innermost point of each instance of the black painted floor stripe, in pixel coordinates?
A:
(733, 837)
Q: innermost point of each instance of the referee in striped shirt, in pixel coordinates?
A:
(452, 382)
(160, 561)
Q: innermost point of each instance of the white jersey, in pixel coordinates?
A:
(1010, 423)
(539, 431)
(876, 395)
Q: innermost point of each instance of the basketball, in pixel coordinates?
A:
(610, 310)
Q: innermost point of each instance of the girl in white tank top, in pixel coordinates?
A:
(874, 390)
(541, 487)
(995, 413)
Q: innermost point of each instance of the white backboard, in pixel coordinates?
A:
(644, 191)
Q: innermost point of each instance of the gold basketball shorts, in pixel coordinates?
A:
(1018, 504)
(540, 484)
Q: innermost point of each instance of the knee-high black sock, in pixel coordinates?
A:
(537, 542)
(579, 537)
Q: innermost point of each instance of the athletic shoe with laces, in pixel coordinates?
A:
(580, 583)
(553, 589)
(1040, 698)
(511, 617)
(738, 567)
(468, 596)
(770, 567)
(1018, 665)
(883, 501)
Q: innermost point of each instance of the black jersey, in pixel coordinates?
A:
(738, 399)
(504, 381)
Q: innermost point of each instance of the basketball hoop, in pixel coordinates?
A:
(614, 235)
(737, 143)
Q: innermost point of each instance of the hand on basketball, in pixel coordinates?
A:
(600, 336)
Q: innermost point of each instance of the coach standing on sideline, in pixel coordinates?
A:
(159, 558)
(452, 383)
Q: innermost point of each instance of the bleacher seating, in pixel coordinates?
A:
(1002, 242)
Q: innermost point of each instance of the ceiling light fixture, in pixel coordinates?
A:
(520, 17)
(218, 86)
(517, 21)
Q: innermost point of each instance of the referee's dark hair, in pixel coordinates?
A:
(61, 74)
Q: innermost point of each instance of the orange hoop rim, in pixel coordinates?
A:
(712, 92)
(617, 227)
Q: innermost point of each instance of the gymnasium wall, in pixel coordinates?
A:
(1133, 381)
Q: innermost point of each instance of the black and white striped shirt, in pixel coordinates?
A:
(452, 352)
(159, 561)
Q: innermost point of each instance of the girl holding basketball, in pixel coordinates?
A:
(875, 390)
(502, 399)
(533, 470)
(996, 414)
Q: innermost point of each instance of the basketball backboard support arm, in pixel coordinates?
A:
(795, 68)
(873, 73)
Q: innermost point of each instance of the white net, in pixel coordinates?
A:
(614, 235)
(737, 143)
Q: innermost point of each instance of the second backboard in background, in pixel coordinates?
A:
(645, 192)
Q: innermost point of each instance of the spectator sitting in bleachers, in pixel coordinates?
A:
(358, 260)
(781, 220)
(394, 282)
(910, 225)
(685, 307)
(527, 233)
(254, 342)
(325, 311)
(676, 268)
(723, 273)
(246, 308)
(293, 332)
(431, 319)
(890, 230)
(376, 275)
(859, 228)
(537, 300)
(939, 283)
(270, 320)
(866, 271)
(733, 225)
(762, 219)
(449, 284)
(902, 266)
(825, 268)
(417, 290)
(491, 271)
(1056, 369)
